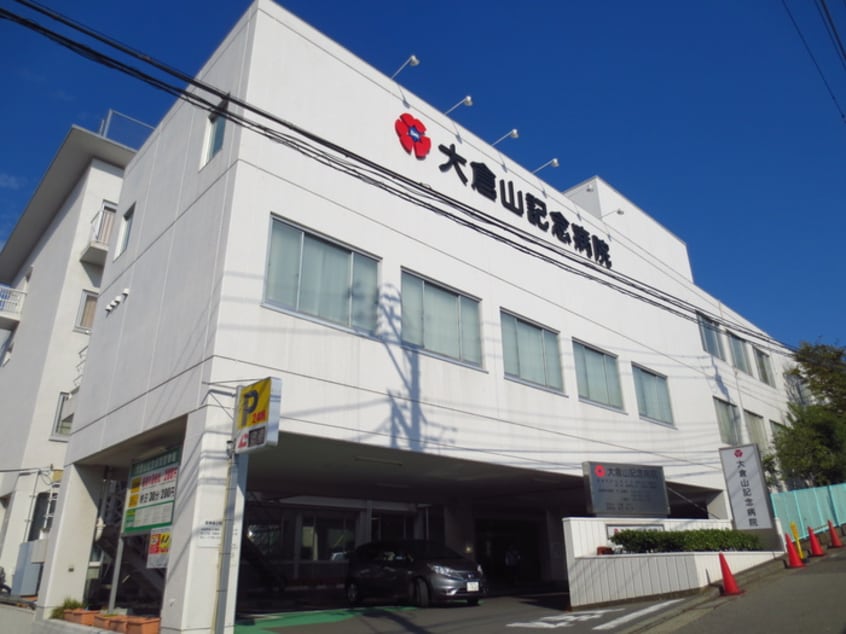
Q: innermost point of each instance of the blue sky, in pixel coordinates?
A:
(710, 116)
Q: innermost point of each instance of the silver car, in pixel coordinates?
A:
(420, 571)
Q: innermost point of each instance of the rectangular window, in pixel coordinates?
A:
(216, 128)
(765, 369)
(709, 330)
(64, 414)
(310, 275)
(125, 230)
(653, 396)
(738, 353)
(728, 419)
(756, 431)
(597, 376)
(530, 352)
(85, 315)
(102, 223)
(776, 428)
(440, 320)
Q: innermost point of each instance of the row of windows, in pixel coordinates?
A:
(729, 421)
(712, 342)
(311, 275)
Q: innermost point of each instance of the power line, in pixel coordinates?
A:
(831, 27)
(376, 174)
(814, 60)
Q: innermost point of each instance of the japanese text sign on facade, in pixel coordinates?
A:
(478, 176)
(746, 487)
(257, 415)
(151, 493)
(629, 490)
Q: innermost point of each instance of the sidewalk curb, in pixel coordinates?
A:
(711, 593)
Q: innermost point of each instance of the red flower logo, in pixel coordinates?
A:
(738, 453)
(412, 135)
(599, 470)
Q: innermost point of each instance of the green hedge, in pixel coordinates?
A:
(707, 539)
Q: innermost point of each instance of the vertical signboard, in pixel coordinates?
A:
(159, 548)
(257, 415)
(746, 487)
(150, 493)
(631, 490)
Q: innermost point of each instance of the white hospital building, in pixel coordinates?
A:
(454, 338)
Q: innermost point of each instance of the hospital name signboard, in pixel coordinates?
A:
(746, 487)
(150, 493)
(628, 490)
(257, 415)
(484, 181)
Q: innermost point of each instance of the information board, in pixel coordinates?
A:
(625, 490)
(150, 493)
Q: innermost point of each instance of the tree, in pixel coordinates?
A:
(822, 368)
(812, 448)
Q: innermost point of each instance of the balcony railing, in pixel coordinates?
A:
(11, 305)
(98, 238)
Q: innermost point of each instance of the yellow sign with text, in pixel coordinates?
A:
(257, 415)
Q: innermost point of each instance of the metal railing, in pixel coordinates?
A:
(11, 300)
(101, 226)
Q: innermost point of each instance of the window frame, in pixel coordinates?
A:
(350, 252)
(581, 387)
(662, 380)
(79, 326)
(734, 423)
(215, 133)
(756, 430)
(739, 353)
(58, 430)
(706, 326)
(544, 333)
(462, 299)
(127, 219)
(764, 366)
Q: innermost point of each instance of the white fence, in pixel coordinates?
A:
(597, 579)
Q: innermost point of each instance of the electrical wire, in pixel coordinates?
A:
(814, 60)
(378, 175)
(831, 27)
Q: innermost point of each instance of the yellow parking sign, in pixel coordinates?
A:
(257, 415)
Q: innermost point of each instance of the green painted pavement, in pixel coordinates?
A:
(271, 622)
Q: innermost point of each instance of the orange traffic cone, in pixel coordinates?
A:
(835, 538)
(793, 560)
(816, 549)
(730, 587)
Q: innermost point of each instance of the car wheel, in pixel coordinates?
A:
(353, 592)
(421, 594)
(472, 601)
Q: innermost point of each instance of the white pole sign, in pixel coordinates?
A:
(746, 487)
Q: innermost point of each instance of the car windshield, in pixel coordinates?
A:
(432, 550)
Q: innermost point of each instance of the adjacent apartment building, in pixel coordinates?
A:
(454, 339)
(51, 268)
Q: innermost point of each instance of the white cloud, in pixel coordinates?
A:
(7, 181)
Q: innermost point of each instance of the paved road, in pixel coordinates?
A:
(515, 615)
(775, 600)
(794, 601)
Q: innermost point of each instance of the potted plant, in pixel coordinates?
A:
(81, 616)
(143, 625)
(67, 605)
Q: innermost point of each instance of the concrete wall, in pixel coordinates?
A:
(608, 578)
